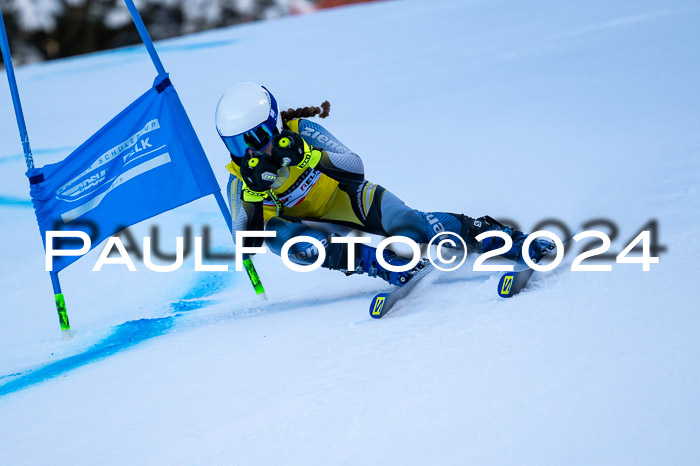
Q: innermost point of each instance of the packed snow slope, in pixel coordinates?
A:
(520, 110)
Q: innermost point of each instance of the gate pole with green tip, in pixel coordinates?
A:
(61, 307)
(148, 42)
(24, 136)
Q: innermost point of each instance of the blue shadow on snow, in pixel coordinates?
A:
(123, 337)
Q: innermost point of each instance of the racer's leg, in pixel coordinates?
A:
(377, 211)
(396, 218)
(286, 228)
(306, 253)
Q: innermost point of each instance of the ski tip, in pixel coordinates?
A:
(505, 285)
(376, 307)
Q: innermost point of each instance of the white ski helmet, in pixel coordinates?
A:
(247, 117)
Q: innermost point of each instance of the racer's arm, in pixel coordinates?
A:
(245, 215)
(345, 167)
(290, 149)
(246, 195)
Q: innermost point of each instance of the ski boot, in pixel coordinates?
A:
(366, 262)
(471, 228)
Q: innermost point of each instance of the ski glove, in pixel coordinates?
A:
(288, 148)
(259, 172)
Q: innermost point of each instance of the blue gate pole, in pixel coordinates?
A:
(10, 70)
(145, 37)
(24, 136)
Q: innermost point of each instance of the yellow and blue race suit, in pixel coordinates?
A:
(333, 192)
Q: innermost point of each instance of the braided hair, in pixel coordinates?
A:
(306, 112)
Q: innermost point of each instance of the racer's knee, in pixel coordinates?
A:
(302, 252)
(400, 220)
(283, 230)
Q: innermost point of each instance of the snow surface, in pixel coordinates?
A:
(525, 110)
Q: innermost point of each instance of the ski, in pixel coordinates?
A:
(383, 302)
(512, 283)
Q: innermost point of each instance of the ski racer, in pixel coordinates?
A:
(290, 175)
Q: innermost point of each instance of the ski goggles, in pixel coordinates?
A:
(257, 138)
